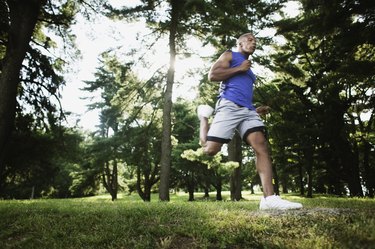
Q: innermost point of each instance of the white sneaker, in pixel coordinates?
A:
(204, 111)
(276, 203)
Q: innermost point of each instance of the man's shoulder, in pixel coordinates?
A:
(228, 51)
(227, 55)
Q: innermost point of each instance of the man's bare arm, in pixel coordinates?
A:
(220, 70)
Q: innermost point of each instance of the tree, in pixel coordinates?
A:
(29, 79)
(109, 79)
(185, 174)
(321, 59)
(17, 30)
(130, 129)
(144, 155)
(140, 103)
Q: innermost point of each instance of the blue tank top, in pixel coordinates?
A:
(239, 88)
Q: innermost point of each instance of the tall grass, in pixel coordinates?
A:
(97, 222)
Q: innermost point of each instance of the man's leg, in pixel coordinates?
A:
(263, 162)
(209, 147)
(264, 168)
(203, 130)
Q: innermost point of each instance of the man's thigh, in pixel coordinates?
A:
(225, 121)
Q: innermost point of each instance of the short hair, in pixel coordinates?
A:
(239, 39)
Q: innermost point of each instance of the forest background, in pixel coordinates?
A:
(316, 72)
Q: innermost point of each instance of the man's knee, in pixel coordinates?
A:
(257, 140)
(212, 148)
(261, 149)
(210, 151)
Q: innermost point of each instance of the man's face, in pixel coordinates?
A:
(248, 44)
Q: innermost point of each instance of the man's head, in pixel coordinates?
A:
(246, 43)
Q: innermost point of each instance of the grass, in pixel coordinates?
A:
(97, 222)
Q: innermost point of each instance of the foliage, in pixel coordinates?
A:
(39, 163)
(324, 90)
(40, 76)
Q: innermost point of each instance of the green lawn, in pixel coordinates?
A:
(97, 222)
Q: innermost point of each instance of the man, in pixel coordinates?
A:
(235, 110)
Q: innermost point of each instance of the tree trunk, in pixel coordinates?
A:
(350, 163)
(150, 178)
(166, 146)
(114, 182)
(139, 184)
(275, 179)
(369, 174)
(252, 188)
(23, 17)
(206, 193)
(308, 153)
(110, 181)
(284, 182)
(235, 155)
(368, 167)
(218, 189)
(206, 186)
(300, 177)
(32, 192)
(275, 176)
(148, 183)
(190, 185)
(147, 192)
(285, 187)
(191, 193)
(334, 177)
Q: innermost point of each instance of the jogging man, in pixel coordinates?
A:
(235, 110)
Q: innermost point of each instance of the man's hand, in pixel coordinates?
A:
(263, 110)
(245, 65)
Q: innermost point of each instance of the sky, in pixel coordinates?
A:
(92, 38)
(96, 36)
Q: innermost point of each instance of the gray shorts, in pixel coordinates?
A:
(229, 117)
